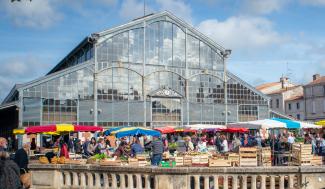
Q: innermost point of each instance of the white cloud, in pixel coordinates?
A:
(313, 2)
(35, 14)
(177, 7)
(131, 9)
(264, 6)
(241, 32)
(20, 70)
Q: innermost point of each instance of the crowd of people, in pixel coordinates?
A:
(17, 165)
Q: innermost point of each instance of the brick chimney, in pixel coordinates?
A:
(284, 82)
(316, 76)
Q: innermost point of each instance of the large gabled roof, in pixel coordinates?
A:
(155, 17)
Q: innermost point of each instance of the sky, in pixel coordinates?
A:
(268, 38)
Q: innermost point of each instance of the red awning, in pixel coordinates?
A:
(235, 130)
(165, 130)
(41, 129)
(87, 128)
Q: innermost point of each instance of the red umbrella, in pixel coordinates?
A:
(87, 128)
(165, 130)
(59, 128)
(235, 130)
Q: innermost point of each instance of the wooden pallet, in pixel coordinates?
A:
(248, 156)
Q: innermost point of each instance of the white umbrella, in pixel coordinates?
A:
(258, 124)
(205, 126)
(306, 125)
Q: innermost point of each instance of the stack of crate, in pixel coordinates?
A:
(301, 154)
(264, 157)
(248, 156)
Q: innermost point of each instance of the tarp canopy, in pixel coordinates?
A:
(135, 131)
(258, 124)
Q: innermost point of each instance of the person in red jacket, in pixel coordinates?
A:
(64, 150)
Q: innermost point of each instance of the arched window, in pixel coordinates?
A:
(165, 80)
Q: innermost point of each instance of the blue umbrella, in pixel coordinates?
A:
(110, 130)
(135, 131)
(290, 124)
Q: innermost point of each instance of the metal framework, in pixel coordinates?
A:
(153, 71)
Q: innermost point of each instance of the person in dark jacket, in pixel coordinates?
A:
(21, 157)
(9, 172)
(157, 147)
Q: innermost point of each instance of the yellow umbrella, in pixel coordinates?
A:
(19, 131)
(321, 122)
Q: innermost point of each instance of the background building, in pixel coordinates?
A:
(281, 92)
(295, 107)
(315, 98)
(153, 71)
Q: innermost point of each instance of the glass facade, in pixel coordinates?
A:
(155, 73)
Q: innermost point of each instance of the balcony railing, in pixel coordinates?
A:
(95, 176)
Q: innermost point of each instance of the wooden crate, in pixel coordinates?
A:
(248, 156)
(142, 163)
(187, 160)
(264, 157)
(201, 160)
(301, 154)
(178, 160)
(133, 162)
(234, 159)
(110, 162)
(142, 157)
(317, 160)
(219, 163)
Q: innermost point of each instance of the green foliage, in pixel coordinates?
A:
(100, 156)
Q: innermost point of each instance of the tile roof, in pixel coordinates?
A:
(266, 85)
(284, 89)
(317, 81)
(295, 98)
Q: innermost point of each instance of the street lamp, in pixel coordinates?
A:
(225, 54)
